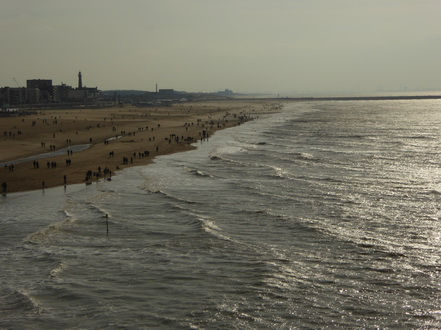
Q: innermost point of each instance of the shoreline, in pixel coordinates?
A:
(143, 134)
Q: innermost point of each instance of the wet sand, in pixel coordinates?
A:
(38, 150)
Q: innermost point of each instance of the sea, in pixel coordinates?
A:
(326, 214)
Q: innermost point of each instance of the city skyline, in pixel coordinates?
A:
(246, 46)
(43, 91)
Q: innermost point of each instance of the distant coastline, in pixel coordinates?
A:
(349, 98)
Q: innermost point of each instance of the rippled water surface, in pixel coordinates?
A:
(326, 214)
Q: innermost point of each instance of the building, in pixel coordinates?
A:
(33, 95)
(46, 91)
(42, 91)
(13, 96)
(82, 93)
(166, 93)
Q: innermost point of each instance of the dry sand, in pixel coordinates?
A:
(153, 129)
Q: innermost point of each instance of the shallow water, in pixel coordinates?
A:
(326, 214)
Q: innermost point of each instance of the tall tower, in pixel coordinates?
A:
(80, 81)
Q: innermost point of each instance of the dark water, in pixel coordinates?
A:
(324, 215)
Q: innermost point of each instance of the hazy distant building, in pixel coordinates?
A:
(44, 93)
(76, 95)
(13, 96)
(166, 93)
(80, 94)
(226, 92)
(39, 91)
(33, 95)
(62, 92)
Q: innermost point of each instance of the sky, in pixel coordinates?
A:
(248, 46)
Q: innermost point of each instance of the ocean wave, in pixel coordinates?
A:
(199, 173)
(228, 160)
(211, 228)
(101, 212)
(55, 273)
(47, 234)
(172, 197)
(208, 226)
(355, 136)
(216, 157)
(15, 300)
(382, 246)
(434, 192)
(225, 150)
(304, 155)
(278, 172)
(287, 156)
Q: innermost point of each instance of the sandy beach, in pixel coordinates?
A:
(40, 149)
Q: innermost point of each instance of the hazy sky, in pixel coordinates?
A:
(272, 46)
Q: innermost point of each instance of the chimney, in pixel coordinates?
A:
(80, 81)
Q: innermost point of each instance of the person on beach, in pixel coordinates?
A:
(4, 187)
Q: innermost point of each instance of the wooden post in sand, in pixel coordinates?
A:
(107, 223)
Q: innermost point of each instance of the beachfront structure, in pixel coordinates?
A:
(42, 91)
(14, 96)
(84, 94)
